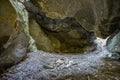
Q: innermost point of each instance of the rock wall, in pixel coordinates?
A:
(113, 43)
(98, 16)
(7, 21)
(16, 47)
(65, 35)
(101, 17)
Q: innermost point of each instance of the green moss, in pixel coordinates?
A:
(22, 16)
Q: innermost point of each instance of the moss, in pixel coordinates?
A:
(22, 16)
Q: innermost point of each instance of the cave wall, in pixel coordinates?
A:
(63, 34)
(7, 18)
(98, 16)
(101, 17)
(7, 21)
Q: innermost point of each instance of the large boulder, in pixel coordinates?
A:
(113, 43)
(79, 9)
(98, 16)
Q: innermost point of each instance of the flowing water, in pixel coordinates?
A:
(49, 66)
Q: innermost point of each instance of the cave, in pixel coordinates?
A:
(59, 40)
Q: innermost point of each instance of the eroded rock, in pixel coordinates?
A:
(7, 21)
(113, 43)
(15, 51)
(68, 32)
(17, 45)
(93, 15)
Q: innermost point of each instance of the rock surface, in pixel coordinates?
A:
(15, 51)
(17, 45)
(66, 35)
(101, 16)
(61, 26)
(7, 22)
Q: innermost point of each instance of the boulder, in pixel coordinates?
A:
(65, 35)
(15, 51)
(113, 43)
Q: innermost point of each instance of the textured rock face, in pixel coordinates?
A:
(99, 16)
(7, 18)
(66, 35)
(17, 45)
(102, 17)
(108, 16)
(113, 43)
(79, 9)
(7, 21)
(15, 51)
(41, 39)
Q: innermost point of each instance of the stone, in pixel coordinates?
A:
(67, 35)
(7, 22)
(17, 44)
(102, 19)
(113, 43)
(107, 15)
(41, 39)
(97, 16)
(15, 51)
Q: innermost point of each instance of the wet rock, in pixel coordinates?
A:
(7, 20)
(15, 51)
(113, 43)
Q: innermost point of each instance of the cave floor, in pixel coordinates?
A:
(45, 66)
(42, 65)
